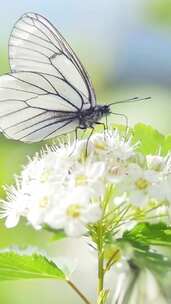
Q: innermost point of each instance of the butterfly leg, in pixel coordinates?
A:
(76, 134)
(102, 124)
(92, 130)
(75, 141)
(104, 127)
(126, 121)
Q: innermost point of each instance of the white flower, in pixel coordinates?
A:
(65, 188)
(39, 202)
(116, 170)
(140, 184)
(15, 206)
(97, 146)
(119, 200)
(74, 212)
(156, 162)
(121, 149)
(112, 144)
(165, 188)
(51, 167)
(90, 176)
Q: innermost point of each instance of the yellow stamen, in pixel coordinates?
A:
(100, 145)
(80, 180)
(73, 211)
(43, 203)
(45, 176)
(142, 184)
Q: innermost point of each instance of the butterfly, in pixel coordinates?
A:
(48, 92)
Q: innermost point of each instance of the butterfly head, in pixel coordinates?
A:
(103, 110)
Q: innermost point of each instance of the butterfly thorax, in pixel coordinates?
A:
(89, 117)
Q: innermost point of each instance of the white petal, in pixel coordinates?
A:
(151, 175)
(92, 214)
(74, 228)
(139, 198)
(12, 220)
(135, 171)
(55, 221)
(96, 170)
(157, 192)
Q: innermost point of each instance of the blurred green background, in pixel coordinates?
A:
(126, 47)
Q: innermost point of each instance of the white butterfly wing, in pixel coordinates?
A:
(31, 110)
(36, 45)
(48, 85)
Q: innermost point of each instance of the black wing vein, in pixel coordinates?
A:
(48, 87)
(36, 26)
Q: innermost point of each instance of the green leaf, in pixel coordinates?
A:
(151, 259)
(57, 234)
(142, 257)
(149, 234)
(151, 141)
(159, 12)
(16, 265)
(140, 241)
(166, 145)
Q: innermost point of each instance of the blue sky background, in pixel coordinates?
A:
(116, 34)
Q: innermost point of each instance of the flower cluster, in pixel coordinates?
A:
(65, 189)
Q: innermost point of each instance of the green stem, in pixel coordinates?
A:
(100, 273)
(81, 295)
(100, 263)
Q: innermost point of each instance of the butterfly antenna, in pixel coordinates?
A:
(130, 100)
